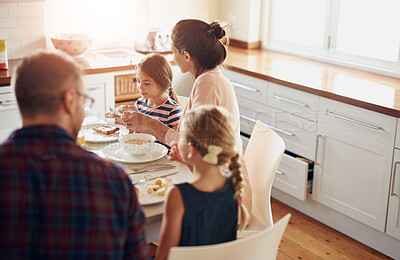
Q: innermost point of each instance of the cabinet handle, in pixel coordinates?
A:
(394, 179)
(290, 101)
(273, 128)
(92, 88)
(332, 114)
(8, 102)
(316, 150)
(279, 172)
(244, 87)
(248, 118)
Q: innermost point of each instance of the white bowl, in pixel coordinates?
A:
(74, 44)
(134, 148)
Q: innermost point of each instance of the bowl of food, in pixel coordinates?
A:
(137, 143)
(74, 44)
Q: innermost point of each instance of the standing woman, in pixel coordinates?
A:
(198, 48)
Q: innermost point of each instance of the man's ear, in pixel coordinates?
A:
(68, 101)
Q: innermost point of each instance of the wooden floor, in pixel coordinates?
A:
(306, 238)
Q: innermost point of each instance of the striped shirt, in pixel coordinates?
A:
(59, 201)
(168, 113)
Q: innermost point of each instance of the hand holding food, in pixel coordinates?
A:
(120, 109)
(136, 121)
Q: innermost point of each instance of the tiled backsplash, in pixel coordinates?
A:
(22, 25)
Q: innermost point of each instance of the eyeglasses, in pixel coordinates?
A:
(88, 100)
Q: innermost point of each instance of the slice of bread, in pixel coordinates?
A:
(105, 129)
(120, 109)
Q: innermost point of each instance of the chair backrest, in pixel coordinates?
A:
(263, 245)
(262, 158)
(183, 101)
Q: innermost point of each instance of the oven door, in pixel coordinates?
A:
(9, 115)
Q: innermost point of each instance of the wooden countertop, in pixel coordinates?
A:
(363, 89)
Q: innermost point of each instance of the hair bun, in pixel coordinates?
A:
(216, 30)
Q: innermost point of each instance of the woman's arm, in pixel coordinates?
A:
(171, 227)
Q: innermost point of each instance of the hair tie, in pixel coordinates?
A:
(212, 156)
(239, 202)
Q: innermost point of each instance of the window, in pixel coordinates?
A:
(360, 33)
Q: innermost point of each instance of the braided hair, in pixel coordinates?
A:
(208, 125)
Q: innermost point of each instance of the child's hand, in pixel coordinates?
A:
(136, 121)
(174, 153)
(122, 109)
(118, 120)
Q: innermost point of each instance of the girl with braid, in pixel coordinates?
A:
(204, 210)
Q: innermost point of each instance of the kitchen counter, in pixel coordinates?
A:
(363, 89)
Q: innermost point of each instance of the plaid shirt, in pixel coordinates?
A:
(59, 201)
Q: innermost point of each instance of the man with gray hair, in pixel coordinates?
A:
(59, 200)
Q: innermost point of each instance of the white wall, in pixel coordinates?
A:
(245, 15)
(22, 26)
(167, 13)
(118, 23)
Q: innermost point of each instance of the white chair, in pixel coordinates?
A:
(183, 101)
(262, 158)
(263, 245)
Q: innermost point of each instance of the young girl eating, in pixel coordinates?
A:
(204, 210)
(159, 100)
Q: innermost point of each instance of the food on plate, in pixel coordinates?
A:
(120, 109)
(161, 191)
(105, 129)
(137, 141)
(158, 187)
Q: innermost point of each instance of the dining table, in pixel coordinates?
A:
(152, 205)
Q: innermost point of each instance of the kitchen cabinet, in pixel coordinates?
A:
(299, 133)
(393, 217)
(293, 101)
(126, 88)
(101, 88)
(353, 161)
(9, 113)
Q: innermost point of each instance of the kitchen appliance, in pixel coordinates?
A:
(10, 118)
(157, 40)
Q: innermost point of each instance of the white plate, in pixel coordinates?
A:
(92, 136)
(144, 197)
(115, 152)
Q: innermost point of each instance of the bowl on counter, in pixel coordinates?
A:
(74, 44)
(137, 143)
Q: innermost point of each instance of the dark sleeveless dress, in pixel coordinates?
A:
(210, 217)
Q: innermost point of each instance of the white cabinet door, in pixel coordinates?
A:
(393, 219)
(101, 88)
(352, 175)
(97, 91)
